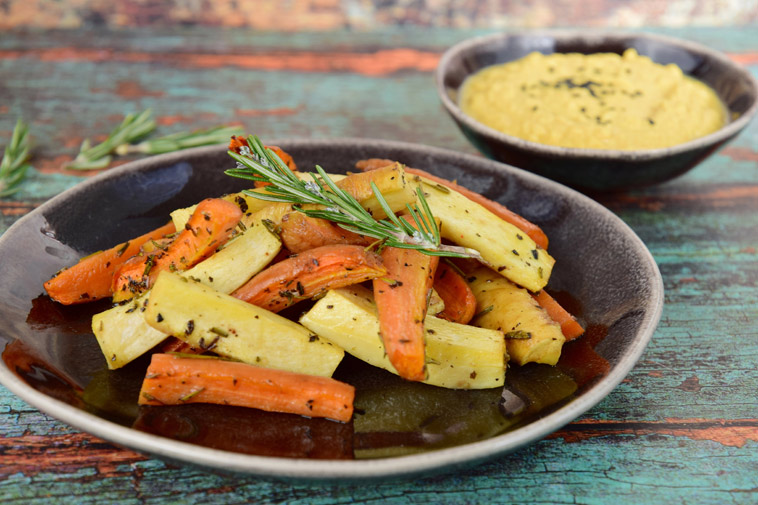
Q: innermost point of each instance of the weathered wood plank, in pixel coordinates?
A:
(681, 428)
(730, 39)
(599, 470)
(315, 15)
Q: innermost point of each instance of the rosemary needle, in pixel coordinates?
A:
(13, 166)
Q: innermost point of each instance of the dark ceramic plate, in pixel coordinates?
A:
(52, 361)
(596, 170)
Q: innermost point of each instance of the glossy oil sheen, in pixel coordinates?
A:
(601, 263)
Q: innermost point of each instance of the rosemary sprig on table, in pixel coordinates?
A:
(258, 163)
(132, 128)
(136, 126)
(181, 140)
(13, 166)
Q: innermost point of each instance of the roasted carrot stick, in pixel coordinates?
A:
(237, 142)
(300, 233)
(460, 302)
(209, 227)
(569, 326)
(174, 380)
(532, 230)
(309, 274)
(401, 303)
(91, 278)
(370, 164)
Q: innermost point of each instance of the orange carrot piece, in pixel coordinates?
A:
(370, 164)
(309, 274)
(300, 233)
(532, 230)
(237, 142)
(569, 325)
(401, 304)
(175, 380)
(460, 302)
(91, 278)
(210, 226)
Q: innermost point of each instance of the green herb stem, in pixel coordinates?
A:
(14, 165)
(181, 140)
(131, 129)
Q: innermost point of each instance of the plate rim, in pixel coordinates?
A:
(406, 466)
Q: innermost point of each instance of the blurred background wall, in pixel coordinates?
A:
(316, 15)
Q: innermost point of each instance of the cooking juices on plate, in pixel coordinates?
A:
(596, 101)
(253, 299)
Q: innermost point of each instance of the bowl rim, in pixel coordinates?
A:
(725, 132)
(306, 470)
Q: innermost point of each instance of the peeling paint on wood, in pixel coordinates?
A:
(734, 433)
(680, 429)
(66, 453)
(382, 62)
(313, 15)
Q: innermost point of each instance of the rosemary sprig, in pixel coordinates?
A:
(181, 140)
(132, 128)
(136, 126)
(13, 167)
(258, 163)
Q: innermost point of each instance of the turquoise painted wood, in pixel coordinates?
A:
(683, 427)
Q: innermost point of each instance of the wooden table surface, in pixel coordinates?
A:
(683, 426)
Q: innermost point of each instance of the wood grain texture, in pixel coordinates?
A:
(360, 14)
(682, 427)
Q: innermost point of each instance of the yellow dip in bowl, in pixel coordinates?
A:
(596, 101)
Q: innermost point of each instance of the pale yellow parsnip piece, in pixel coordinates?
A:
(241, 258)
(207, 319)
(458, 356)
(123, 334)
(513, 311)
(507, 249)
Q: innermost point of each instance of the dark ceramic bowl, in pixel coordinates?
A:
(595, 170)
(52, 361)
